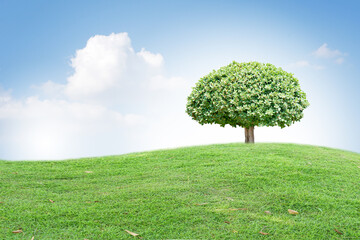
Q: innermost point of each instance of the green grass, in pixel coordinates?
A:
(159, 194)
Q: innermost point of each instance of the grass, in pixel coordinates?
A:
(186, 193)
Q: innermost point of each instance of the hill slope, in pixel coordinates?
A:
(206, 192)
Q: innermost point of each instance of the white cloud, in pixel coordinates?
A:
(100, 65)
(5, 96)
(101, 110)
(155, 60)
(108, 70)
(50, 90)
(325, 52)
(55, 129)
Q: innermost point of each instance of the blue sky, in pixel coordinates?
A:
(173, 44)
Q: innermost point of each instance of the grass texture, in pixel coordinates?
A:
(203, 192)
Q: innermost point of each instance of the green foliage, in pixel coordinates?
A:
(247, 94)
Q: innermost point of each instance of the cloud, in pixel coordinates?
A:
(155, 60)
(108, 70)
(108, 62)
(324, 52)
(5, 96)
(100, 65)
(50, 89)
(56, 129)
(102, 108)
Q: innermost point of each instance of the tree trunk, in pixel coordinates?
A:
(249, 135)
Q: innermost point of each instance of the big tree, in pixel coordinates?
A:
(247, 95)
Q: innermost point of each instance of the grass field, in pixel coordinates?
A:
(206, 192)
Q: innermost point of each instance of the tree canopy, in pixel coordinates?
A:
(247, 95)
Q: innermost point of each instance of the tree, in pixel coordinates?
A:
(247, 95)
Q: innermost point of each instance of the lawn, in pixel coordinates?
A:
(229, 191)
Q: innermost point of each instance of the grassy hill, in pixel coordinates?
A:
(206, 192)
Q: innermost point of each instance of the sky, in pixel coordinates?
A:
(94, 78)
